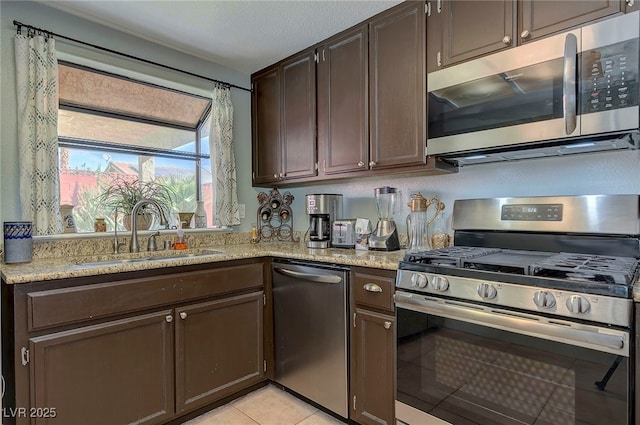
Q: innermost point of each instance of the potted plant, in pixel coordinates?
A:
(123, 194)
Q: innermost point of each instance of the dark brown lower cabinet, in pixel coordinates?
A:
(373, 394)
(219, 349)
(118, 372)
(373, 343)
(139, 348)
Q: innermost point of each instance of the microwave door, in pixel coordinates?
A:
(519, 96)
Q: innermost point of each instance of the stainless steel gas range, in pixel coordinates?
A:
(527, 319)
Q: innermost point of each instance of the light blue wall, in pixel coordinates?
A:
(617, 172)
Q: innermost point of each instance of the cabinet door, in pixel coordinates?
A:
(343, 130)
(373, 390)
(299, 116)
(265, 111)
(219, 349)
(397, 87)
(475, 28)
(118, 372)
(541, 18)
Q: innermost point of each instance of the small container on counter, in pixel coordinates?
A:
(100, 225)
(18, 243)
(181, 241)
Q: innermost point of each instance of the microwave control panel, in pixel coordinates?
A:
(609, 77)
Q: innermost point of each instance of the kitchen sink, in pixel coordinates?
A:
(155, 256)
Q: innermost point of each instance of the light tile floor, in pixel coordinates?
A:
(267, 406)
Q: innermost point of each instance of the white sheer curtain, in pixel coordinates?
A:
(223, 163)
(37, 91)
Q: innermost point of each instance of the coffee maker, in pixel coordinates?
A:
(385, 237)
(323, 210)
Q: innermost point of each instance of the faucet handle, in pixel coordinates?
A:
(116, 245)
(151, 244)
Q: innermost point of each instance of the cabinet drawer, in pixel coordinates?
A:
(373, 288)
(76, 304)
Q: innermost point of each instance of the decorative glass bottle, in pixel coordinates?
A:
(200, 216)
(439, 237)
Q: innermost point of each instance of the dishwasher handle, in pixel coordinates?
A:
(318, 278)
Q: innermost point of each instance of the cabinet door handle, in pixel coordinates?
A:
(525, 34)
(372, 164)
(372, 287)
(360, 164)
(183, 315)
(275, 176)
(168, 318)
(387, 324)
(630, 3)
(506, 40)
(439, 58)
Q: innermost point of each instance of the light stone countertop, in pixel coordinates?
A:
(69, 267)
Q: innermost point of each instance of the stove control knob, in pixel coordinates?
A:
(418, 280)
(439, 283)
(578, 304)
(487, 291)
(544, 299)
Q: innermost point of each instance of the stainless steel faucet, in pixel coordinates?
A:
(134, 245)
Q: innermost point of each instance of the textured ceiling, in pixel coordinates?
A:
(245, 35)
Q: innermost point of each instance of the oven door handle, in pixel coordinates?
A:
(588, 336)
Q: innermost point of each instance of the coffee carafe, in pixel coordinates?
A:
(323, 210)
(385, 237)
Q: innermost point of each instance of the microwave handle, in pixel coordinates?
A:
(569, 108)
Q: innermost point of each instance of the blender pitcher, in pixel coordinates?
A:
(385, 237)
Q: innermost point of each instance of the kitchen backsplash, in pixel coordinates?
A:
(597, 173)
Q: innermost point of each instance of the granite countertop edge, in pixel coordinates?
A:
(40, 270)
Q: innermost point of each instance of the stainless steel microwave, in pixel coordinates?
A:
(569, 86)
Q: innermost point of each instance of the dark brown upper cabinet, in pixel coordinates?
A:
(538, 19)
(284, 120)
(460, 30)
(266, 127)
(299, 116)
(343, 110)
(370, 94)
(397, 109)
(468, 29)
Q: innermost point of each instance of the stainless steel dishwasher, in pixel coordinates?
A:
(310, 319)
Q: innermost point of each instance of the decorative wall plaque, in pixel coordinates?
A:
(275, 217)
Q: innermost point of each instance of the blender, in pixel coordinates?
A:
(385, 237)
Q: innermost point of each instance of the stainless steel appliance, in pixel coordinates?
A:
(385, 237)
(526, 319)
(323, 210)
(344, 233)
(540, 97)
(310, 321)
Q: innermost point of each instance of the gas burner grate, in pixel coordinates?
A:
(588, 268)
(452, 256)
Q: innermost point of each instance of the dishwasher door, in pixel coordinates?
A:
(310, 321)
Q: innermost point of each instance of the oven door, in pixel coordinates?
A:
(463, 364)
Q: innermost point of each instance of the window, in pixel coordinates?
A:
(111, 127)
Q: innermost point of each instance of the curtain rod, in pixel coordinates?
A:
(40, 30)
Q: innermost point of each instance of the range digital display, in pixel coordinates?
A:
(532, 212)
